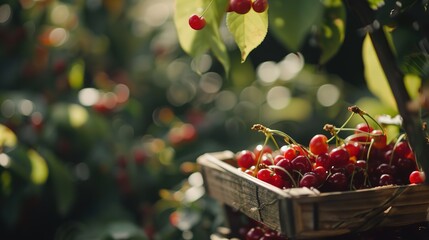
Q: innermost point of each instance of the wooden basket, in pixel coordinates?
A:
(302, 213)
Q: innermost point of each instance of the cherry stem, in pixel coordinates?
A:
(402, 136)
(287, 172)
(205, 10)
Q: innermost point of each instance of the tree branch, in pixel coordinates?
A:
(411, 119)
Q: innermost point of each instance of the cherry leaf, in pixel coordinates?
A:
(195, 42)
(291, 21)
(332, 30)
(248, 30)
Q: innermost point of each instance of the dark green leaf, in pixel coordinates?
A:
(332, 30)
(291, 21)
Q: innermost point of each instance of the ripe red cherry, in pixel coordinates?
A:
(339, 157)
(309, 180)
(337, 182)
(260, 6)
(319, 144)
(385, 179)
(380, 139)
(323, 160)
(196, 22)
(241, 6)
(417, 177)
(402, 149)
(255, 233)
(363, 128)
(321, 172)
(245, 159)
(301, 164)
(261, 149)
(265, 175)
(354, 149)
(285, 166)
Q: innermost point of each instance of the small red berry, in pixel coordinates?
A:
(319, 144)
(260, 6)
(417, 177)
(241, 6)
(196, 22)
(380, 139)
(245, 159)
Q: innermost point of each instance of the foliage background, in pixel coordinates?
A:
(103, 115)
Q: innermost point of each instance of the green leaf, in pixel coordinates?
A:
(376, 79)
(332, 29)
(248, 30)
(195, 42)
(291, 21)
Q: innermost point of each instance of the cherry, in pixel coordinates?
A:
(278, 158)
(241, 6)
(292, 151)
(417, 177)
(319, 144)
(321, 172)
(402, 149)
(323, 160)
(363, 127)
(261, 149)
(197, 22)
(337, 182)
(285, 165)
(278, 181)
(301, 164)
(265, 175)
(267, 159)
(354, 149)
(385, 179)
(260, 6)
(380, 139)
(309, 180)
(245, 159)
(255, 233)
(339, 157)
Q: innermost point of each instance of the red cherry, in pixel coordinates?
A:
(417, 177)
(255, 233)
(265, 175)
(267, 159)
(380, 139)
(319, 144)
(245, 159)
(301, 164)
(354, 149)
(196, 22)
(309, 180)
(402, 149)
(285, 166)
(278, 158)
(339, 157)
(385, 179)
(260, 6)
(337, 182)
(278, 181)
(241, 6)
(323, 160)
(261, 149)
(321, 172)
(362, 128)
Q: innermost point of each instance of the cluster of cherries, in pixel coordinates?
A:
(362, 160)
(260, 232)
(198, 22)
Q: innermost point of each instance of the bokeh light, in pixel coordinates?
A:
(278, 97)
(5, 13)
(328, 95)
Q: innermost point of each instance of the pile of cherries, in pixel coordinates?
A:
(364, 159)
(198, 22)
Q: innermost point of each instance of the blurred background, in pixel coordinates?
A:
(103, 116)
